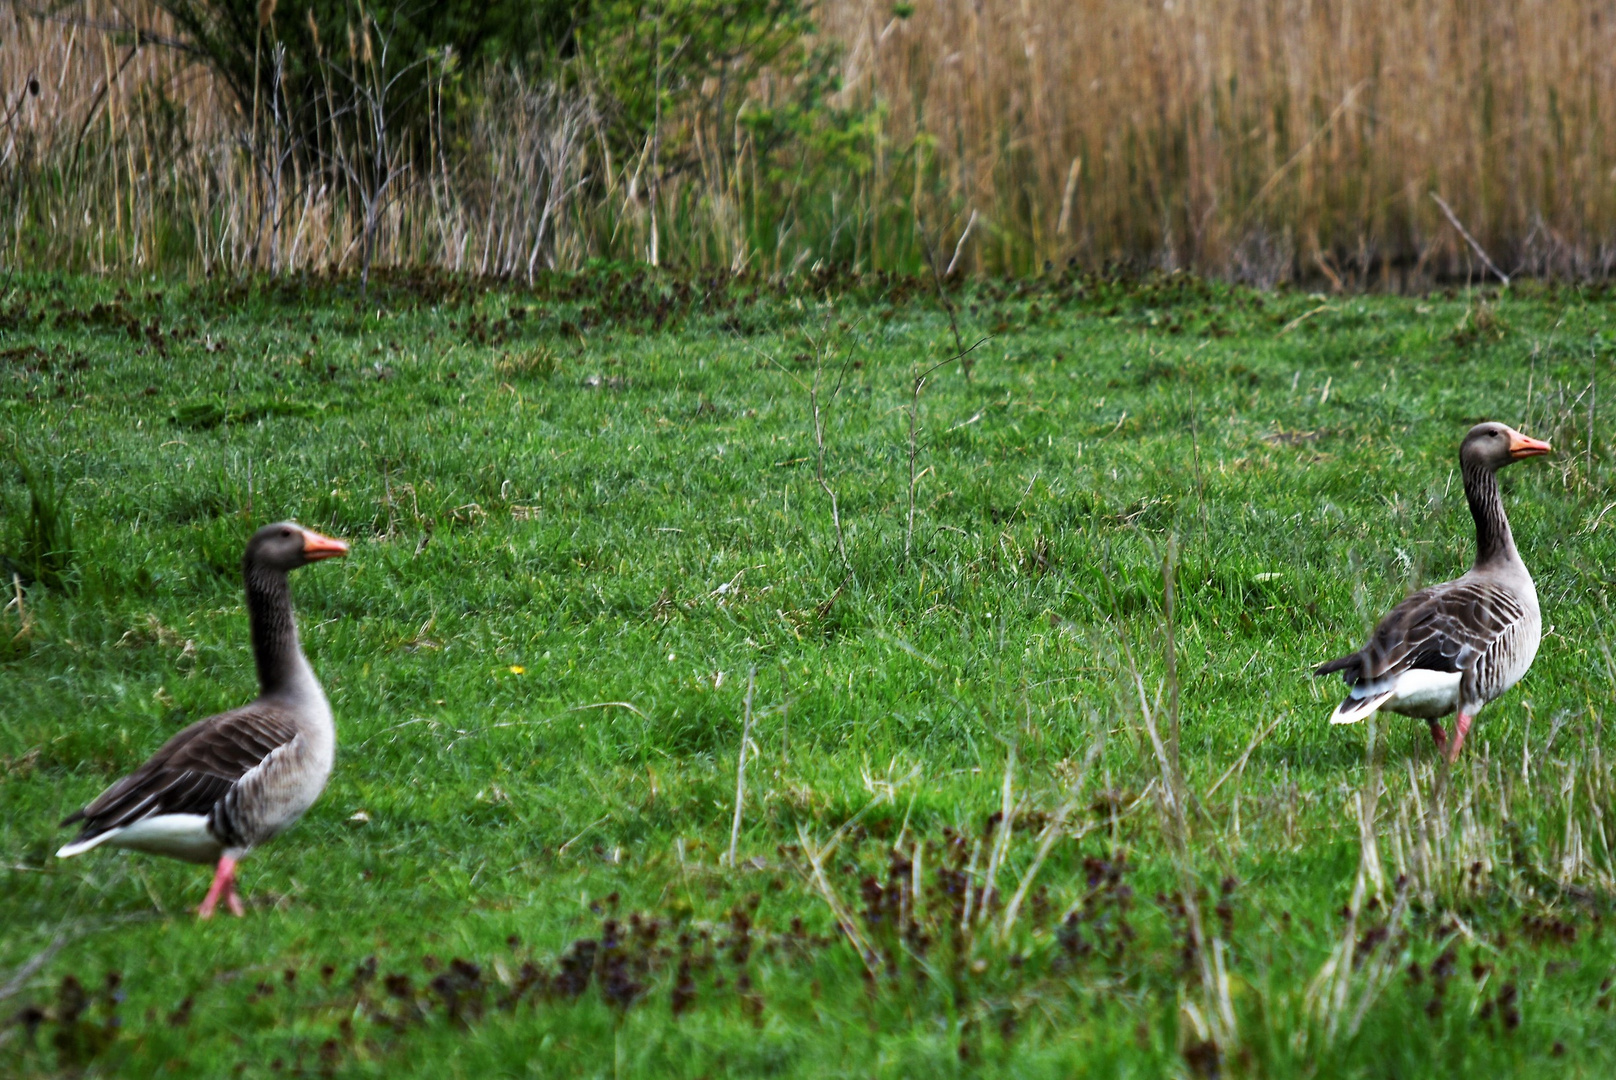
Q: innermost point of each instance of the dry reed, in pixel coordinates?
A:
(1261, 140)
(1264, 142)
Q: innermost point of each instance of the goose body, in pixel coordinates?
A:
(228, 783)
(1454, 647)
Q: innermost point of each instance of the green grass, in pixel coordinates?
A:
(582, 516)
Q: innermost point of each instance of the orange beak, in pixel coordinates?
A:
(1522, 446)
(316, 547)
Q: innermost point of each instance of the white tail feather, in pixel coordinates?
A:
(78, 847)
(1354, 709)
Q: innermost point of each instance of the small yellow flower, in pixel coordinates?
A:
(518, 669)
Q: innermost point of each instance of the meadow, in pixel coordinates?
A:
(732, 679)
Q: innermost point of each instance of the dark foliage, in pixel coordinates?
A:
(327, 42)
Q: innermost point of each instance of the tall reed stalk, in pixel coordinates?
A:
(1263, 142)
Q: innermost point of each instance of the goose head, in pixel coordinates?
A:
(286, 546)
(1492, 446)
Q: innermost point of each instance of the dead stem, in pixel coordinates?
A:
(740, 768)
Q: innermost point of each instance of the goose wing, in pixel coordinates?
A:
(191, 772)
(1443, 628)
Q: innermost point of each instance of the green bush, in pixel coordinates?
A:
(665, 68)
(328, 42)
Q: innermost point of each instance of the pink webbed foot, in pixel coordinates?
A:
(223, 888)
(1461, 726)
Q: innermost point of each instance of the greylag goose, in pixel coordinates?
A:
(226, 784)
(1458, 645)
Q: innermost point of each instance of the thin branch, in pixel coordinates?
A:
(1453, 220)
(937, 282)
(819, 459)
(1240, 765)
(30, 967)
(25, 620)
(914, 420)
(95, 103)
(740, 767)
(1001, 838)
(1279, 174)
(1173, 801)
(1051, 832)
(140, 34)
(562, 850)
(816, 862)
(959, 249)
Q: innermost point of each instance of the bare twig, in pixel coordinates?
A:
(1173, 797)
(1453, 219)
(914, 420)
(30, 967)
(1200, 487)
(959, 248)
(1051, 832)
(824, 608)
(1001, 836)
(1240, 765)
(909, 527)
(816, 861)
(740, 767)
(95, 103)
(961, 353)
(1303, 317)
(819, 456)
(629, 705)
(23, 618)
(844, 918)
(1169, 581)
(1279, 174)
(377, 161)
(1072, 175)
(971, 894)
(937, 281)
(140, 35)
(1593, 387)
(65, 934)
(1330, 994)
(562, 850)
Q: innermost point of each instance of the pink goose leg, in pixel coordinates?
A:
(224, 887)
(1438, 736)
(1461, 726)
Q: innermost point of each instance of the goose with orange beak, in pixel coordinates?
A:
(229, 783)
(1455, 647)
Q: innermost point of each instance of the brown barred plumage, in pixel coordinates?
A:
(228, 783)
(1455, 647)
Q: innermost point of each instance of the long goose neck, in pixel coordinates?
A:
(274, 633)
(1494, 542)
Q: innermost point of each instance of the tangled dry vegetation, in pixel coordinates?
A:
(1350, 143)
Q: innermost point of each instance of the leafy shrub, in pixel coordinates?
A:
(320, 37)
(667, 70)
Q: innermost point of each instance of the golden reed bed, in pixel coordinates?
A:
(1266, 141)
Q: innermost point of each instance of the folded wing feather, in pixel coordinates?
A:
(1443, 629)
(191, 772)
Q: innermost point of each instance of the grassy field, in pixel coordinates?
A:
(1037, 786)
